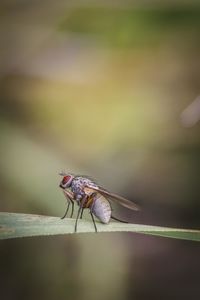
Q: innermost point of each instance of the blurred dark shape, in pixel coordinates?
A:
(12, 107)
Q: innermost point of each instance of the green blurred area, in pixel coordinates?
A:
(130, 27)
(100, 89)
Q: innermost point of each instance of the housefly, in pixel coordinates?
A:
(88, 194)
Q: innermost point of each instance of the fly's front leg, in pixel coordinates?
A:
(70, 199)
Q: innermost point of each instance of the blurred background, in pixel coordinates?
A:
(108, 89)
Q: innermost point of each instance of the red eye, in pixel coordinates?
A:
(65, 179)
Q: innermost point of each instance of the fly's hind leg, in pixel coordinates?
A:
(116, 219)
(92, 216)
(93, 220)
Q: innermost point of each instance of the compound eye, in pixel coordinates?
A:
(66, 179)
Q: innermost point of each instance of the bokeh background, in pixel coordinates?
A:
(107, 89)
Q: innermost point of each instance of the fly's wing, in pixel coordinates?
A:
(121, 200)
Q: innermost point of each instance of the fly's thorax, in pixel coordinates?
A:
(78, 185)
(101, 208)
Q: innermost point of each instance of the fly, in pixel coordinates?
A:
(88, 194)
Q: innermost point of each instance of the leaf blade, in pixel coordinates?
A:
(25, 225)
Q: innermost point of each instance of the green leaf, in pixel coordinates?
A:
(23, 225)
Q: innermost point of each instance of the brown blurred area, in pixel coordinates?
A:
(105, 89)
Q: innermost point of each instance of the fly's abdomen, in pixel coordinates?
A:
(101, 208)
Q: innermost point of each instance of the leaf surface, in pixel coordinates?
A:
(14, 225)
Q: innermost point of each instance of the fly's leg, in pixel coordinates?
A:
(72, 212)
(69, 197)
(68, 205)
(79, 211)
(93, 220)
(92, 216)
(122, 221)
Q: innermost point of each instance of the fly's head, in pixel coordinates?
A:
(66, 181)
